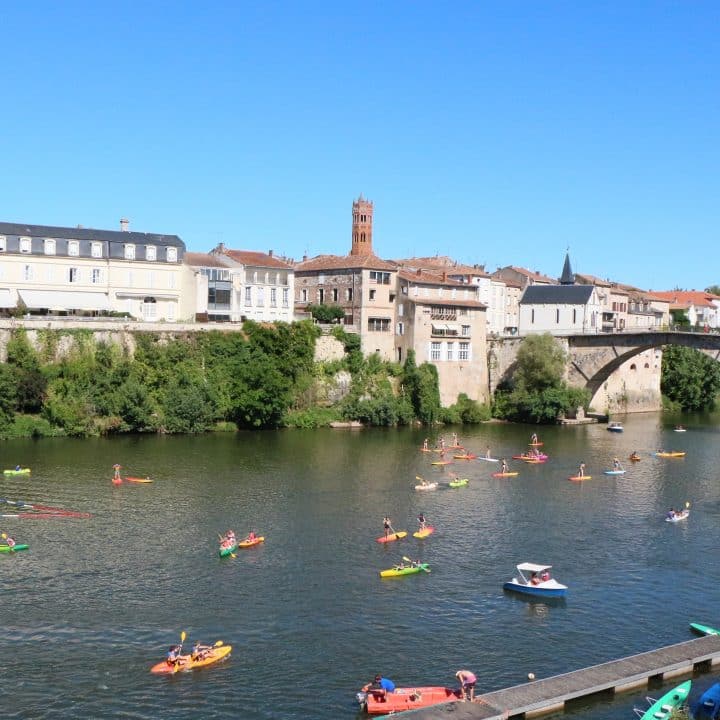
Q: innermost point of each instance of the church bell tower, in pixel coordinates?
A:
(362, 216)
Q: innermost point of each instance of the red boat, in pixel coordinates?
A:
(378, 702)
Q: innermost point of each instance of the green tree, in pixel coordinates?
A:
(326, 313)
(30, 383)
(7, 396)
(679, 317)
(690, 378)
(713, 289)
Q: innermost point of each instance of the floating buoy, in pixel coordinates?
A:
(531, 676)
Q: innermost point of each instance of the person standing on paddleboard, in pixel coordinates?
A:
(387, 526)
(422, 521)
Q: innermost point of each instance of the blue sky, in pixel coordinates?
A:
(499, 133)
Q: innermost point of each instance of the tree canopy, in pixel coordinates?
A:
(690, 378)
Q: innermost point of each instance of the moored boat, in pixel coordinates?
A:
(538, 582)
(707, 706)
(704, 629)
(615, 427)
(402, 699)
(216, 654)
(663, 708)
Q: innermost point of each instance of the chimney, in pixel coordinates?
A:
(124, 225)
(444, 276)
(270, 253)
(419, 271)
(304, 258)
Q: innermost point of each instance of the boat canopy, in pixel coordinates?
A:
(531, 567)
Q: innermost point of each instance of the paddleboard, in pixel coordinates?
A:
(138, 480)
(424, 533)
(487, 459)
(507, 474)
(466, 457)
(578, 478)
(613, 472)
(704, 629)
(392, 537)
(442, 462)
(536, 444)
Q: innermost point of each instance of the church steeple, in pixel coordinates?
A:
(567, 277)
(362, 217)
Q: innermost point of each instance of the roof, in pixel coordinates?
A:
(567, 277)
(444, 263)
(423, 277)
(448, 302)
(685, 298)
(344, 262)
(203, 260)
(557, 295)
(257, 259)
(586, 279)
(77, 233)
(531, 567)
(529, 274)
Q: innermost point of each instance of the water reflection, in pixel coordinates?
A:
(536, 607)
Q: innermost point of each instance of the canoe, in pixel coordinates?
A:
(226, 550)
(469, 456)
(682, 515)
(635, 459)
(402, 699)
(251, 543)
(458, 483)
(7, 548)
(392, 537)
(704, 629)
(22, 471)
(672, 454)
(429, 530)
(505, 474)
(400, 571)
(216, 655)
(427, 486)
(613, 472)
(138, 480)
(442, 462)
(579, 478)
(662, 709)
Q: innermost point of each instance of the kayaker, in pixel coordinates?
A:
(634, 455)
(200, 651)
(467, 684)
(250, 536)
(380, 686)
(173, 656)
(387, 527)
(422, 521)
(17, 468)
(10, 542)
(671, 513)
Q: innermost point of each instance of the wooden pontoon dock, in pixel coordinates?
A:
(538, 697)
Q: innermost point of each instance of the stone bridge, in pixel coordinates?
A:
(593, 358)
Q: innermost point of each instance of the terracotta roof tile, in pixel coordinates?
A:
(448, 302)
(203, 260)
(344, 262)
(258, 259)
(430, 278)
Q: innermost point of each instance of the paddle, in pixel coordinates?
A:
(183, 635)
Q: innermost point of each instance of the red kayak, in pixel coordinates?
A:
(381, 703)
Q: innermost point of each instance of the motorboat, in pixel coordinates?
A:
(379, 702)
(535, 580)
(708, 706)
(615, 427)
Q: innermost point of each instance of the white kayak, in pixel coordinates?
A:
(487, 459)
(427, 486)
(613, 472)
(677, 517)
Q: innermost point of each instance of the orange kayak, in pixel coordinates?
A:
(250, 543)
(186, 663)
(138, 479)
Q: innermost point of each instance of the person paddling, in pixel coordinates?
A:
(581, 470)
(387, 527)
(200, 651)
(10, 542)
(504, 468)
(422, 521)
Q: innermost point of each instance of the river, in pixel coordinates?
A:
(95, 602)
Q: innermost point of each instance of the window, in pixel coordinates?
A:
(73, 248)
(25, 245)
(464, 353)
(151, 253)
(321, 295)
(273, 297)
(450, 350)
(267, 278)
(171, 311)
(27, 272)
(49, 247)
(321, 279)
(73, 275)
(255, 276)
(171, 280)
(335, 294)
(381, 278)
(379, 324)
(349, 294)
(401, 310)
(248, 295)
(574, 316)
(435, 351)
(557, 316)
(149, 308)
(96, 275)
(96, 250)
(261, 296)
(372, 294)
(286, 297)
(3, 243)
(465, 330)
(129, 252)
(304, 295)
(151, 279)
(401, 328)
(171, 254)
(532, 316)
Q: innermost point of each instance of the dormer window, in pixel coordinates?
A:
(49, 247)
(25, 244)
(151, 253)
(73, 248)
(96, 250)
(171, 254)
(129, 251)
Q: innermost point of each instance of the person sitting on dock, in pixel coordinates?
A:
(467, 684)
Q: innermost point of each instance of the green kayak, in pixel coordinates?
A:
(458, 483)
(226, 550)
(398, 570)
(7, 548)
(704, 629)
(22, 471)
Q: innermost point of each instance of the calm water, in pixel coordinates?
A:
(95, 603)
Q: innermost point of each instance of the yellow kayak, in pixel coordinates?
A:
(186, 663)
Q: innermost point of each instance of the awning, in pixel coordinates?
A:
(6, 298)
(64, 300)
(136, 294)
